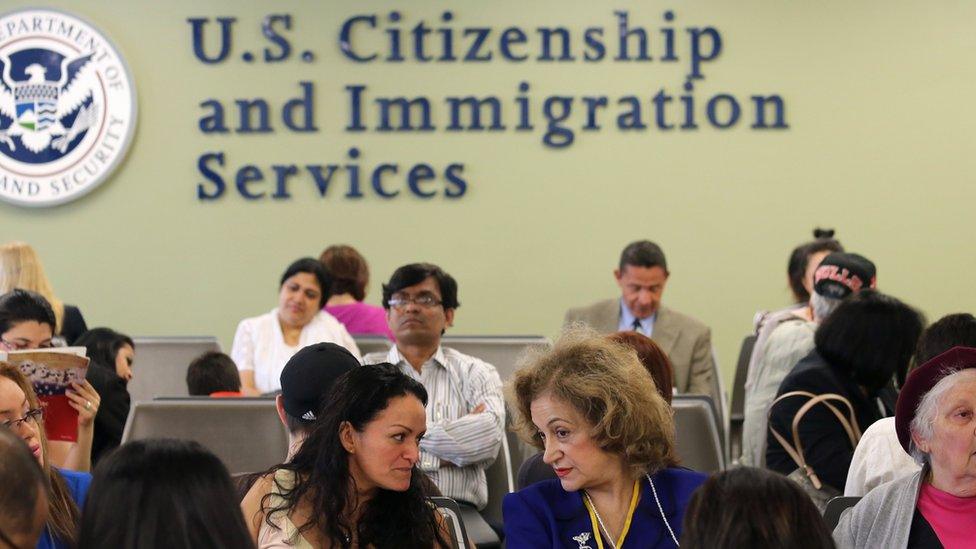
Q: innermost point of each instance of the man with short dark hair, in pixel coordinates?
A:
(642, 275)
(466, 410)
(23, 494)
(306, 382)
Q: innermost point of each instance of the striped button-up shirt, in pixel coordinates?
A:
(459, 445)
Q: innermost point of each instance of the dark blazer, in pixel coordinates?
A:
(72, 325)
(544, 515)
(112, 411)
(826, 445)
(686, 341)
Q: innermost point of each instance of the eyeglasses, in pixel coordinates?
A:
(32, 415)
(424, 300)
(22, 346)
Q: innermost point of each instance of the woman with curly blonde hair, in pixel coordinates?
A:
(593, 409)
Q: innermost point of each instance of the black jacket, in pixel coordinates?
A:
(112, 411)
(826, 445)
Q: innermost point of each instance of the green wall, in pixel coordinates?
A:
(879, 102)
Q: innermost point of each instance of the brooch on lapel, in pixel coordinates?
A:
(582, 539)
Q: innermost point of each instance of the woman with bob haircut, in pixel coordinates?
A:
(354, 481)
(936, 507)
(593, 409)
(263, 344)
(20, 267)
(861, 349)
(162, 493)
(750, 507)
(21, 412)
(350, 276)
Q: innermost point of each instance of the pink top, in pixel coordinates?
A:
(362, 319)
(953, 519)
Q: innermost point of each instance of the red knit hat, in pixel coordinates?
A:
(921, 380)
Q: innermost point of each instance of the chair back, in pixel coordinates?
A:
(738, 402)
(245, 433)
(501, 481)
(502, 352)
(451, 512)
(533, 470)
(741, 371)
(699, 445)
(720, 403)
(161, 362)
(835, 507)
(372, 344)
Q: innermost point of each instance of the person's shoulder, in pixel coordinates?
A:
(254, 321)
(883, 429)
(681, 479)
(811, 372)
(888, 495)
(376, 357)
(467, 362)
(585, 311)
(791, 327)
(77, 482)
(544, 492)
(685, 322)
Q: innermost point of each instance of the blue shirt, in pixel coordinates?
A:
(627, 319)
(544, 515)
(78, 487)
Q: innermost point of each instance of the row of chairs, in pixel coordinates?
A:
(231, 427)
(227, 426)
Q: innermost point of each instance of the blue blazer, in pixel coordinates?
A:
(545, 515)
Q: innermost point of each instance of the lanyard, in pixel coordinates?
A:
(596, 521)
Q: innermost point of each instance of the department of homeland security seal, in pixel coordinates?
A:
(67, 107)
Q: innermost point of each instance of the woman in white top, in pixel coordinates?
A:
(263, 344)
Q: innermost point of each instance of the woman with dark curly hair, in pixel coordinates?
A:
(354, 482)
(593, 409)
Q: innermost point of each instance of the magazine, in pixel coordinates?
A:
(51, 372)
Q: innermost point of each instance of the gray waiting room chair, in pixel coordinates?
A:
(245, 433)
(697, 437)
(160, 365)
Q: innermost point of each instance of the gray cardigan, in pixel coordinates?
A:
(883, 518)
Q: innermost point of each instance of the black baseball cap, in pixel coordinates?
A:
(841, 274)
(308, 378)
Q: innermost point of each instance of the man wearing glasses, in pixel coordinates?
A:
(465, 408)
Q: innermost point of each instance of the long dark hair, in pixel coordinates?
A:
(749, 507)
(162, 493)
(322, 478)
(103, 346)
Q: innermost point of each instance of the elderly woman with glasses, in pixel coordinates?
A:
(936, 424)
(27, 323)
(593, 409)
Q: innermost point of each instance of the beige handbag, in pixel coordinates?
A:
(804, 475)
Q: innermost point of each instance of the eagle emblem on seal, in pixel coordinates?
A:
(48, 113)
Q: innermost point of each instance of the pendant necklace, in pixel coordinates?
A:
(606, 533)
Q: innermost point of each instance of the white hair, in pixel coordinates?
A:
(923, 425)
(822, 306)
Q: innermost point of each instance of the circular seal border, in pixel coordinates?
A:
(127, 139)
